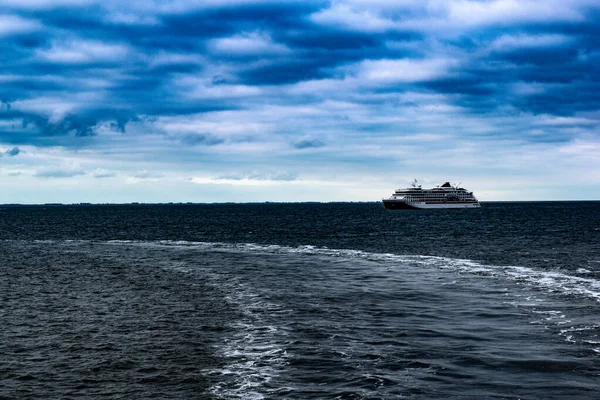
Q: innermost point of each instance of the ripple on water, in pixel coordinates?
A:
(250, 321)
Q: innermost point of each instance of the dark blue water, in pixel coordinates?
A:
(300, 301)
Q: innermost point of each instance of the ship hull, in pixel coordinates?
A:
(402, 205)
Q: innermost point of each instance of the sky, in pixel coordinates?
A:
(258, 100)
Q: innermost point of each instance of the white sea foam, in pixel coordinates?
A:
(254, 352)
(552, 281)
(549, 280)
(586, 333)
(244, 349)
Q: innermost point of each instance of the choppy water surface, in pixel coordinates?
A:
(298, 301)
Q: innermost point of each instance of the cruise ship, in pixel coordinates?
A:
(444, 196)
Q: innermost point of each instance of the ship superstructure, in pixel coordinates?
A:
(444, 196)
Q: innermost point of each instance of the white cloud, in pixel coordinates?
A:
(583, 149)
(532, 88)
(59, 172)
(224, 124)
(510, 42)
(550, 120)
(223, 91)
(404, 70)
(478, 13)
(45, 4)
(145, 175)
(261, 181)
(11, 24)
(131, 17)
(169, 58)
(360, 20)
(78, 51)
(365, 123)
(182, 6)
(445, 17)
(103, 173)
(320, 86)
(56, 108)
(204, 88)
(248, 44)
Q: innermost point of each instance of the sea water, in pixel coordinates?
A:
(300, 301)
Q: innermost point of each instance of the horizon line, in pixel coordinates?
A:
(136, 203)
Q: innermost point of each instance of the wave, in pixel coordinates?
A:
(551, 280)
(254, 347)
(254, 350)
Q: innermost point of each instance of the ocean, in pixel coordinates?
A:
(300, 301)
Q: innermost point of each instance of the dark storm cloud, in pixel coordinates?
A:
(76, 46)
(561, 54)
(229, 19)
(132, 64)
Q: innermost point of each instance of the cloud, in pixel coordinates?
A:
(253, 179)
(44, 4)
(103, 173)
(83, 52)
(248, 44)
(455, 17)
(345, 16)
(217, 89)
(308, 143)
(258, 176)
(192, 139)
(474, 13)
(405, 70)
(13, 25)
(11, 152)
(58, 172)
(145, 175)
(511, 42)
(195, 88)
